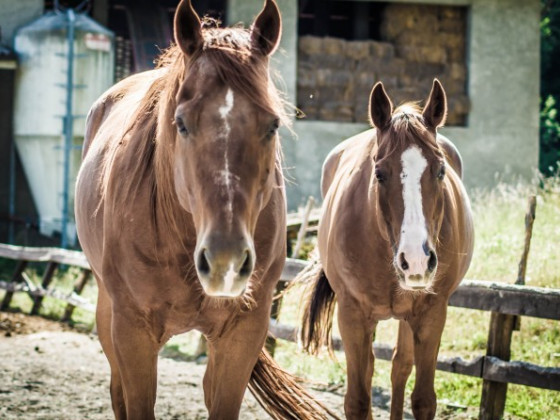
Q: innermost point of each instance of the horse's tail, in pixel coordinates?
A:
(280, 395)
(318, 313)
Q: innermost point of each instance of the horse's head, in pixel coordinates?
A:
(410, 181)
(227, 117)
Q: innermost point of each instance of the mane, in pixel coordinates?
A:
(229, 51)
(407, 126)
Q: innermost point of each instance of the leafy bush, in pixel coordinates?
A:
(550, 88)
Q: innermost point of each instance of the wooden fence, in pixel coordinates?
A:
(499, 298)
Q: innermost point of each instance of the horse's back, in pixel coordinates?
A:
(452, 154)
(107, 123)
(347, 152)
(122, 98)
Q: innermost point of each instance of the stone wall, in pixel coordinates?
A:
(418, 43)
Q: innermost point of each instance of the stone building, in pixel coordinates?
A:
(486, 53)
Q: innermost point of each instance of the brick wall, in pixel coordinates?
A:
(418, 43)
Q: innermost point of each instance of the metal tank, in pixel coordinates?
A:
(66, 60)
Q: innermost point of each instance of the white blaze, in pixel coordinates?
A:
(225, 176)
(413, 230)
(229, 279)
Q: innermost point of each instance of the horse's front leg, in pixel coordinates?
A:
(136, 351)
(427, 329)
(403, 359)
(356, 332)
(231, 359)
(104, 322)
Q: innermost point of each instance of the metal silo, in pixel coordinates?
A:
(66, 60)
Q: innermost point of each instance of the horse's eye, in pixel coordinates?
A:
(273, 128)
(380, 176)
(441, 173)
(181, 128)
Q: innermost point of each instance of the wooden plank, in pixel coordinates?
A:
(529, 220)
(291, 269)
(303, 228)
(295, 219)
(461, 366)
(521, 373)
(384, 351)
(78, 288)
(538, 302)
(493, 398)
(16, 277)
(46, 281)
(72, 298)
(61, 256)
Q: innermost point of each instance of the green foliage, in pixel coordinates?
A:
(550, 87)
(549, 136)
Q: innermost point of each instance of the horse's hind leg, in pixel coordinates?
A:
(103, 320)
(357, 335)
(403, 359)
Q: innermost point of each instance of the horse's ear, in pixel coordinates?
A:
(266, 30)
(435, 111)
(380, 107)
(187, 28)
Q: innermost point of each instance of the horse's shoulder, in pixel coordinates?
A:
(452, 154)
(119, 92)
(351, 149)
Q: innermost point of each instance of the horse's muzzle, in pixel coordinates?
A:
(224, 272)
(416, 270)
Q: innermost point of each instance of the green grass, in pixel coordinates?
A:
(500, 231)
(63, 280)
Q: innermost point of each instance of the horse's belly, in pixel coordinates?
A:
(89, 212)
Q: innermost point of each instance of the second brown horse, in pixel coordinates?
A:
(395, 239)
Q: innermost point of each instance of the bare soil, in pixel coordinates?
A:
(50, 371)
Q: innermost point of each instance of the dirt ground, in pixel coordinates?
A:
(49, 371)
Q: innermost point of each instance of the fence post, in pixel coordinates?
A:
(303, 228)
(47, 278)
(16, 277)
(78, 288)
(493, 399)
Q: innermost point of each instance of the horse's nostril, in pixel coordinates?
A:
(432, 262)
(403, 263)
(247, 266)
(202, 264)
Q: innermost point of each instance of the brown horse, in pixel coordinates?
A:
(180, 209)
(395, 239)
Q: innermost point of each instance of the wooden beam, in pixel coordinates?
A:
(538, 302)
(61, 256)
(521, 373)
(493, 399)
(16, 278)
(46, 281)
(78, 289)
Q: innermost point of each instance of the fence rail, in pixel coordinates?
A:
(498, 298)
(503, 298)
